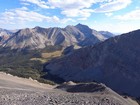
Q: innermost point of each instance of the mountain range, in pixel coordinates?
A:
(38, 37)
(114, 62)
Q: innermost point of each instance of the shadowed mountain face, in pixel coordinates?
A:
(115, 62)
(0, 38)
(38, 37)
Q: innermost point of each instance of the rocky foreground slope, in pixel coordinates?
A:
(18, 91)
(114, 62)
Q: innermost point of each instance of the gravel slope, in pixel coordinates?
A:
(18, 91)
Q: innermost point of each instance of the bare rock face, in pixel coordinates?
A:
(37, 38)
(114, 62)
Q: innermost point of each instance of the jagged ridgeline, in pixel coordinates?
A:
(38, 38)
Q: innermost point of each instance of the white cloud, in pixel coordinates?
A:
(77, 13)
(69, 8)
(133, 15)
(82, 19)
(73, 8)
(83, 8)
(39, 3)
(113, 5)
(23, 15)
(65, 20)
(26, 4)
(108, 14)
(71, 4)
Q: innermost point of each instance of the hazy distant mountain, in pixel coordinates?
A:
(106, 34)
(4, 35)
(4, 32)
(38, 37)
(13, 31)
(115, 62)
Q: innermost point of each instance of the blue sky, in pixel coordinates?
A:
(111, 15)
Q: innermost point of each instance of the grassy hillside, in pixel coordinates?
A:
(27, 63)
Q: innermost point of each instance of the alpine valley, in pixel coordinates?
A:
(78, 62)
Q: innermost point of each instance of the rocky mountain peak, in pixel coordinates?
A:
(83, 28)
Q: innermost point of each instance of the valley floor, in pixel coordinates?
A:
(19, 91)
